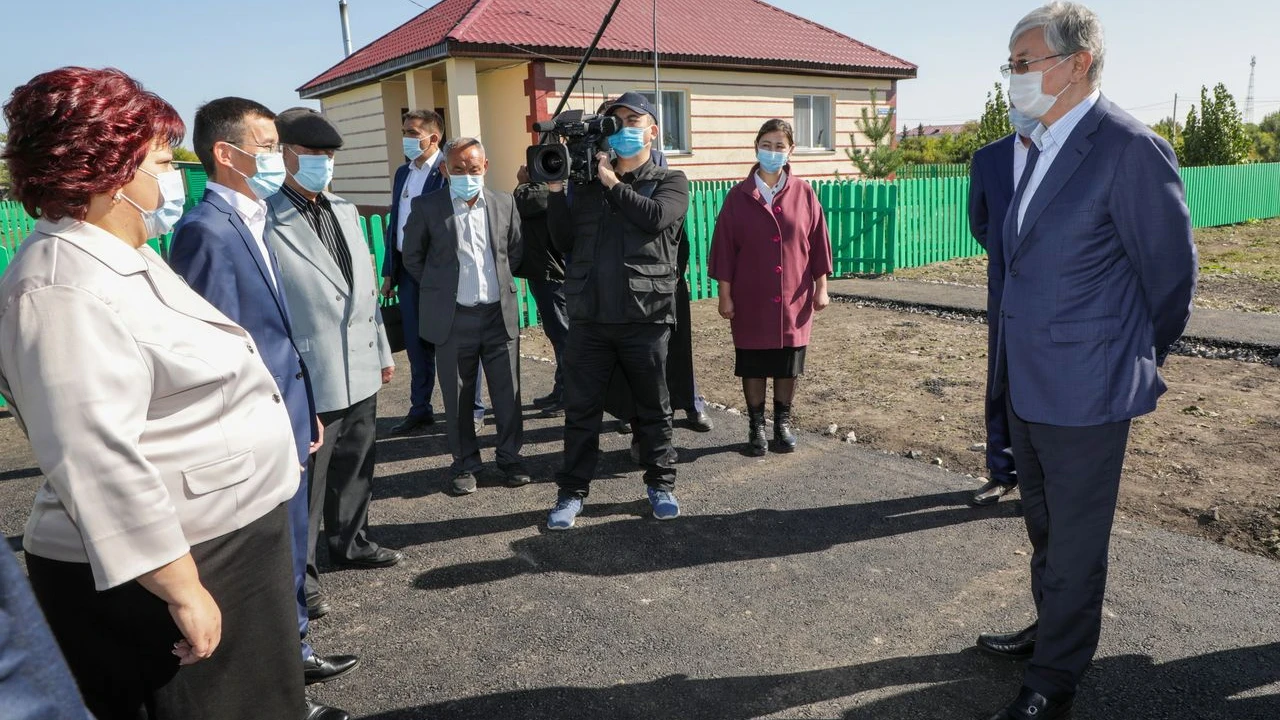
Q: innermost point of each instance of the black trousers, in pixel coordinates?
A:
(479, 337)
(118, 641)
(548, 295)
(342, 485)
(1070, 478)
(639, 351)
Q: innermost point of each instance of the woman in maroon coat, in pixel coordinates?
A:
(771, 255)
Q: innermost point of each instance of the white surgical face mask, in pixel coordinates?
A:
(1023, 124)
(173, 196)
(1026, 92)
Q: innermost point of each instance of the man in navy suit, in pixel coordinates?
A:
(423, 132)
(1098, 269)
(992, 177)
(220, 249)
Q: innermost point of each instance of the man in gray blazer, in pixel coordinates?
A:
(462, 246)
(328, 279)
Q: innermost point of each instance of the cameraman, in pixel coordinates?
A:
(621, 233)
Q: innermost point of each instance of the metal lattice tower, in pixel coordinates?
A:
(1248, 99)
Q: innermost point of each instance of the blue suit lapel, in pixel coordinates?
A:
(1010, 232)
(251, 246)
(1004, 161)
(1064, 166)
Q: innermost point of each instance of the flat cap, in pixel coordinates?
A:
(308, 128)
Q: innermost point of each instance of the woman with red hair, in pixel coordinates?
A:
(157, 546)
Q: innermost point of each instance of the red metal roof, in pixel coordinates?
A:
(689, 31)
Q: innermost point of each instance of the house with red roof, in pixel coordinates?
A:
(494, 67)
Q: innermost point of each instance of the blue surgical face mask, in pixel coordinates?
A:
(413, 148)
(173, 196)
(315, 172)
(465, 187)
(771, 161)
(1023, 123)
(270, 174)
(629, 141)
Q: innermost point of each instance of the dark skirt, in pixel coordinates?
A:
(787, 362)
(118, 642)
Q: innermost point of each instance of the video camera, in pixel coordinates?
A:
(574, 159)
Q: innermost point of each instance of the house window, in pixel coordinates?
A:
(675, 120)
(813, 122)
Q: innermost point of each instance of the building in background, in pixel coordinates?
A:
(494, 67)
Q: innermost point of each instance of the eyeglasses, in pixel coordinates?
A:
(1020, 67)
(266, 148)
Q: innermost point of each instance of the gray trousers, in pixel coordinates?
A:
(479, 337)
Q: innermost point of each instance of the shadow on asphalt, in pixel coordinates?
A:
(615, 548)
(957, 685)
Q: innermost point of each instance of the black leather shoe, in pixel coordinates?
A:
(517, 476)
(1031, 705)
(699, 421)
(411, 423)
(380, 558)
(555, 409)
(463, 484)
(317, 669)
(547, 400)
(1011, 646)
(623, 427)
(991, 493)
(316, 711)
(317, 607)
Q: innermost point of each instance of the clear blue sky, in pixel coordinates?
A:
(189, 52)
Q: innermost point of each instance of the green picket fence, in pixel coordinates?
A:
(937, 170)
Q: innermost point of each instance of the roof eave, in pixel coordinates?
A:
(377, 72)
(451, 48)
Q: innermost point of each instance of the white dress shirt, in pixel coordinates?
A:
(253, 213)
(1050, 140)
(766, 192)
(1020, 152)
(477, 271)
(413, 184)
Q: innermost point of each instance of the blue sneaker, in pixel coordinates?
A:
(665, 505)
(564, 514)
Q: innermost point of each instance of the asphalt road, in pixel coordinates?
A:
(836, 582)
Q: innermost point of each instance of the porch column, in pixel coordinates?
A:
(422, 96)
(464, 98)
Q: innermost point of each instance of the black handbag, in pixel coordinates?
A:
(393, 326)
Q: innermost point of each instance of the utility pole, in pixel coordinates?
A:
(1248, 99)
(346, 26)
(657, 88)
(1174, 130)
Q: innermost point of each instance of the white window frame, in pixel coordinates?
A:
(682, 102)
(807, 143)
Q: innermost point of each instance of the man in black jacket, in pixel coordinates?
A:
(543, 267)
(622, 235)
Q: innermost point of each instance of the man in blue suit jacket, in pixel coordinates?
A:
(1098, 273)
(992, 177)
(220, 249)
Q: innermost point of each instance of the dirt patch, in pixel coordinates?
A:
(1239, 268)
(1206, 463)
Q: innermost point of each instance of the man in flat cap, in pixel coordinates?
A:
(328, 279)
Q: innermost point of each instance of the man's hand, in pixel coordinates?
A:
(387, 373)
(319, 441)
(522, 175)
(388, 290)
(726, 307)
(604, 171)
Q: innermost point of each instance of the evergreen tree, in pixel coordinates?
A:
(883, 158)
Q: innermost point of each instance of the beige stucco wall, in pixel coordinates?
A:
(360, 167)
(724, 111)
(726, 108)
(504, 111)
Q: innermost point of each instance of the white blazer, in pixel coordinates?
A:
(151, 415)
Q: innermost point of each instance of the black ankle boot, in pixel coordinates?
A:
(783, 438)
(756, 444)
